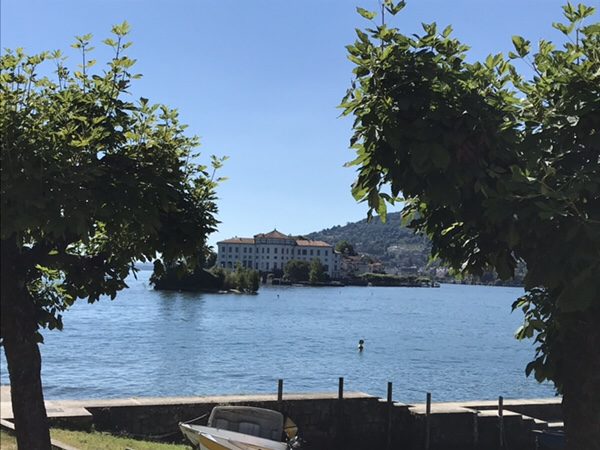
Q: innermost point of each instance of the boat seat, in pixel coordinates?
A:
(225, 424)
(249, 420)
(249, 428)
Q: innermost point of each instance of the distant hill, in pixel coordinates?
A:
(390, 242)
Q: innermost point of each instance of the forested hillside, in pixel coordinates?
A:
(393, 244)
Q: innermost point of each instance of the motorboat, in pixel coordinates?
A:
(243, 428)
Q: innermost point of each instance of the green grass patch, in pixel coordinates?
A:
(7, 442)
(94, 441)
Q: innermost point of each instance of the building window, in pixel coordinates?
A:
(237, 249)
(245, 250)
(319, 252)
(263, 250)
(311, 251)
(304, 251)
(275, 250)
(230, 249)
(326, 252)
(268, 250)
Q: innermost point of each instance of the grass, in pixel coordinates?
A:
(94, 441)
(7, 442)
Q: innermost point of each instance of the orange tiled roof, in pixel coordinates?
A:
(237, 240)
(272, 235)
(309, 243)
(300, 240)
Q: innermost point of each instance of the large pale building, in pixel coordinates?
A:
(267, 252)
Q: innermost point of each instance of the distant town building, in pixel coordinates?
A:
(355, 265)
(267, 252)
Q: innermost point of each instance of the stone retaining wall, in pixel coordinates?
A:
(357, 422)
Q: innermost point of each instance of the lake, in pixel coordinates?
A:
(455, 342)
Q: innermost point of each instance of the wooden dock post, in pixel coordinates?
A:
(501, 421)
(340, 438)
(280, 390)
(428, 421)
(389, 419)
(475, 430)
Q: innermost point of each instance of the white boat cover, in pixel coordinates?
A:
(258, 422)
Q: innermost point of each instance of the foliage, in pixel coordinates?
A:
(181, 278)
(241, 279)
(345, 248)
(317, 272)
(380, 279)
(92, 182)
(296, 270)
(388, 241)
(494, 168)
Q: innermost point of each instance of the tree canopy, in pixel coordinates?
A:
(345, 248)
(92, 181)
(495, 168)
(317, 272)
(296, 270)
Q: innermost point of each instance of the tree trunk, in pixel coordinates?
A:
(18, 329)
(580, 373)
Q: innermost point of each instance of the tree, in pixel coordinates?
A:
(496, 169)
(90, 183)
(317, 271)
(345, 248)
(296, 270)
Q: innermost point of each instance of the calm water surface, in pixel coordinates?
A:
(456, 342)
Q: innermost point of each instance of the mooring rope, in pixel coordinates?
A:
(166, 435)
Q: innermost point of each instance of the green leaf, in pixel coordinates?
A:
(522, 46)
(440, 156)
(366, 14)
(382, 211)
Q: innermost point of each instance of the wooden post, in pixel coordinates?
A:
(340, 411)
(428, 421)
(389, 422)
(475, 430)
(501, 420)
(280, 390)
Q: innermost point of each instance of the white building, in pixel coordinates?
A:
(271, 251)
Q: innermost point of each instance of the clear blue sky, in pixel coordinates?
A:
(260, 81)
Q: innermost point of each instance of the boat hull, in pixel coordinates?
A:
(209, 438)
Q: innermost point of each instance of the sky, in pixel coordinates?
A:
(260, 81)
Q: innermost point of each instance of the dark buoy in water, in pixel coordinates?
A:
(361, 345)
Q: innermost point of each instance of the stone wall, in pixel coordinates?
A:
(357, 422)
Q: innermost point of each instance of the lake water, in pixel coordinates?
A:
(455, 342)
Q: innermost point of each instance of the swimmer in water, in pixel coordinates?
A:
(361, 345)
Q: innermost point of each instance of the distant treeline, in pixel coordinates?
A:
(179, 278)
